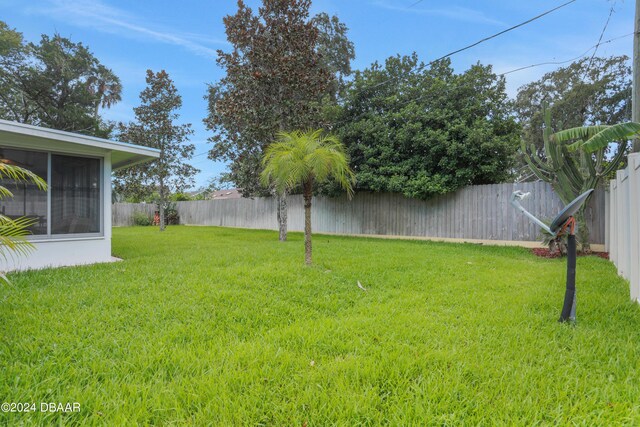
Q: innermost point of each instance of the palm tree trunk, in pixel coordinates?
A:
(308, 194)
(282, 198)
(281, 201)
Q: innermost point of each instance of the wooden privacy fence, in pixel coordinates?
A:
(122, 213)
(476, 213)
(623, 240)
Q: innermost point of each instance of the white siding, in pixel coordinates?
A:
(623, 227)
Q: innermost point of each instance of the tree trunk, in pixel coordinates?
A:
(282, 198)
(161, 209)
(162, 204)
(282, 216)
(308, 194)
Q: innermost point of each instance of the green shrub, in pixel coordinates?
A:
(141, 218)
(180, 197)
(171, 216)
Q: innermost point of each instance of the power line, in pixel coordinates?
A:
(473, 44)
(500, 75)
(568, 60)
(606, 24)
(200, 162)
(418, 2)
(504, 31)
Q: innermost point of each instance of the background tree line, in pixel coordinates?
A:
(60, 84)
(407, 126)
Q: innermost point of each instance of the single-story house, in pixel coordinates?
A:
(72, 218)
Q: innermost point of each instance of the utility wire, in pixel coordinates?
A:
(606, 24)
(504, 31)
(418, 68)
(500, 75)
(585, 53)
(418, 2)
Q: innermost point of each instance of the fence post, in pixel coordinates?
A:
(634, 227)
(607, 219)
(620, 223)
(613, 221)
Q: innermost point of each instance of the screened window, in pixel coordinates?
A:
(75, 195)
(28, 200)
(72, 202)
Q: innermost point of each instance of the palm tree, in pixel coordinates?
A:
(304, 158)
(13, 232)
(106, 88)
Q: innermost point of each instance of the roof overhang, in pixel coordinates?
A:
(28, 136)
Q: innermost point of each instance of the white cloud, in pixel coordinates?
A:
(453, 12)
(97, 15)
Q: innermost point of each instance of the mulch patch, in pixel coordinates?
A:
(546, 253)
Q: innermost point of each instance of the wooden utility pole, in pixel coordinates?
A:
(635, 97)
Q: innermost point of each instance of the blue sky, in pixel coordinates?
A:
(182, 37)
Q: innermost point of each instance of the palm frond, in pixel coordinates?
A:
(298, 156)
(13, 233)
(593, 138)
(21, 174)
(5, 192)
(582, 132)
(621, 132)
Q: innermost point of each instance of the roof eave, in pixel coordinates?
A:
(139, 153)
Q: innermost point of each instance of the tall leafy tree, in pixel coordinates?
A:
(56, 83)
(582, 94)
(303, 159)
(13, 62)
(276, 79)
(421, 131)
(336, 51)
(155, 127)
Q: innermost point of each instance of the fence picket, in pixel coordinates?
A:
(476, 212)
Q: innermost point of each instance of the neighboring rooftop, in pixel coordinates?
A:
(231, 193)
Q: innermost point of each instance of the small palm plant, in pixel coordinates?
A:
(13, 232)
(304, 158)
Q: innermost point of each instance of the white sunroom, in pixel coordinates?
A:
(72, 218)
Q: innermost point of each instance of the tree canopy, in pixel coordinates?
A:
(421, 131)
(56, 83)
(581, 94)
(281, 66)
(155, 127)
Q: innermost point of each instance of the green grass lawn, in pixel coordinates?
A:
(215, 326)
